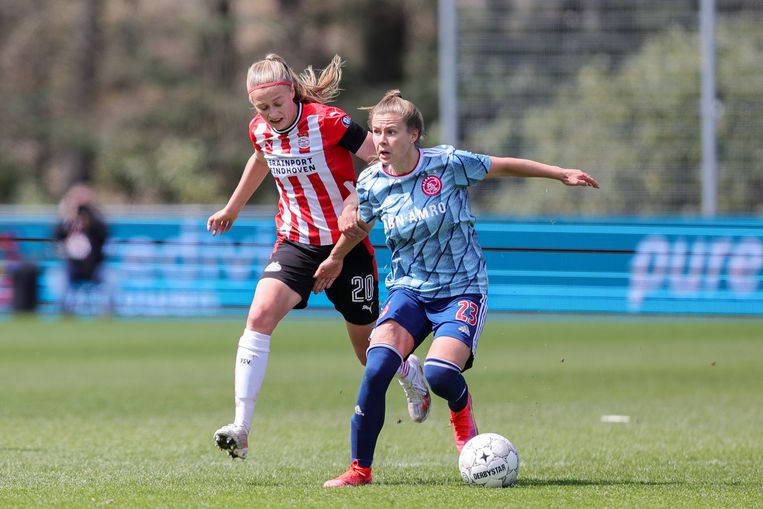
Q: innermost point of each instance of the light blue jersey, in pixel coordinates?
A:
(428, 222)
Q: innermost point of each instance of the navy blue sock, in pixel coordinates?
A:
(445, 380)
(366, 424)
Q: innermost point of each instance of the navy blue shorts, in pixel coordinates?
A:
(461, 317)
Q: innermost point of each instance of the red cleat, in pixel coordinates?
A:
(464, 427)
(355, 476)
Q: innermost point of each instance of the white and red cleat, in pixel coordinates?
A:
(416, 390)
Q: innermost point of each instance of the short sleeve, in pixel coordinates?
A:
(334, 125)
(366, 210)
(468, 168)
(354, 137)
(252, 126)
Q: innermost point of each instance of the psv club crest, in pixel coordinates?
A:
(431, 185)
(303, 142)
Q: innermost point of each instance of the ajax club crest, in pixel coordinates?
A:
(431, 185)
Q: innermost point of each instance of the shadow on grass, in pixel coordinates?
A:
(271, 482)
(378, 481)
(526, 483)
(593, 482)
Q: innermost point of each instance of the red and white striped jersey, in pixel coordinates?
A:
(313, 173)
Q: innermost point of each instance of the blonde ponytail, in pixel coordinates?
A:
(308, 87)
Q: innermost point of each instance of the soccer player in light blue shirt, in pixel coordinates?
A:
(438, 281)
(428, 222)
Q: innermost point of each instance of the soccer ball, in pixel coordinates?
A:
(489, 460)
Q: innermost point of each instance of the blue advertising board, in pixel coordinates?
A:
(173, 267)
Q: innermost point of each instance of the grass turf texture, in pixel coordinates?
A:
(121, 414)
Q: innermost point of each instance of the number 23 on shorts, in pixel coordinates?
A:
(467, 312)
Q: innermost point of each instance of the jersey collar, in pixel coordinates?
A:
(293, 124)
(415, 168)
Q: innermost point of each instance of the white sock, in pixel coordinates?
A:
(251, 362)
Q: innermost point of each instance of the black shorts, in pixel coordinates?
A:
(355, 293)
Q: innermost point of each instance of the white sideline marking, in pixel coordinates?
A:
(620, 419)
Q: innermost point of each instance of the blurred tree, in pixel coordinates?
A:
(528, 47)
(384, 40)
(27, 55)
(39, 104)
(218, 55)
(81, 149)
(145, 97)
(624, 125)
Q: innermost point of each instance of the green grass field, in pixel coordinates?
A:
(121, 414)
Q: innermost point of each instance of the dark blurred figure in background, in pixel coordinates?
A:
(10, 261)
(83, 233)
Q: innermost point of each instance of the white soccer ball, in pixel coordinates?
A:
(489, 460)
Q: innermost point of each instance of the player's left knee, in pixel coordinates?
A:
(441, 375)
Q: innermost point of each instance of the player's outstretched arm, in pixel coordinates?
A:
(502, 166)
(254, 173)
(331, 267)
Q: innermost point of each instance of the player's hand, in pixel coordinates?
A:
(327, 273)
(221, 222)
(578, 178)
(348, 223)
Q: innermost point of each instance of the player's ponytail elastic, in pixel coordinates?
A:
(393, 102)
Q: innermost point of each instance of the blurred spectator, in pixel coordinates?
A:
(9, 261)
(83, 233)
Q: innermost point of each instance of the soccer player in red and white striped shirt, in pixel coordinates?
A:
(307, 147)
